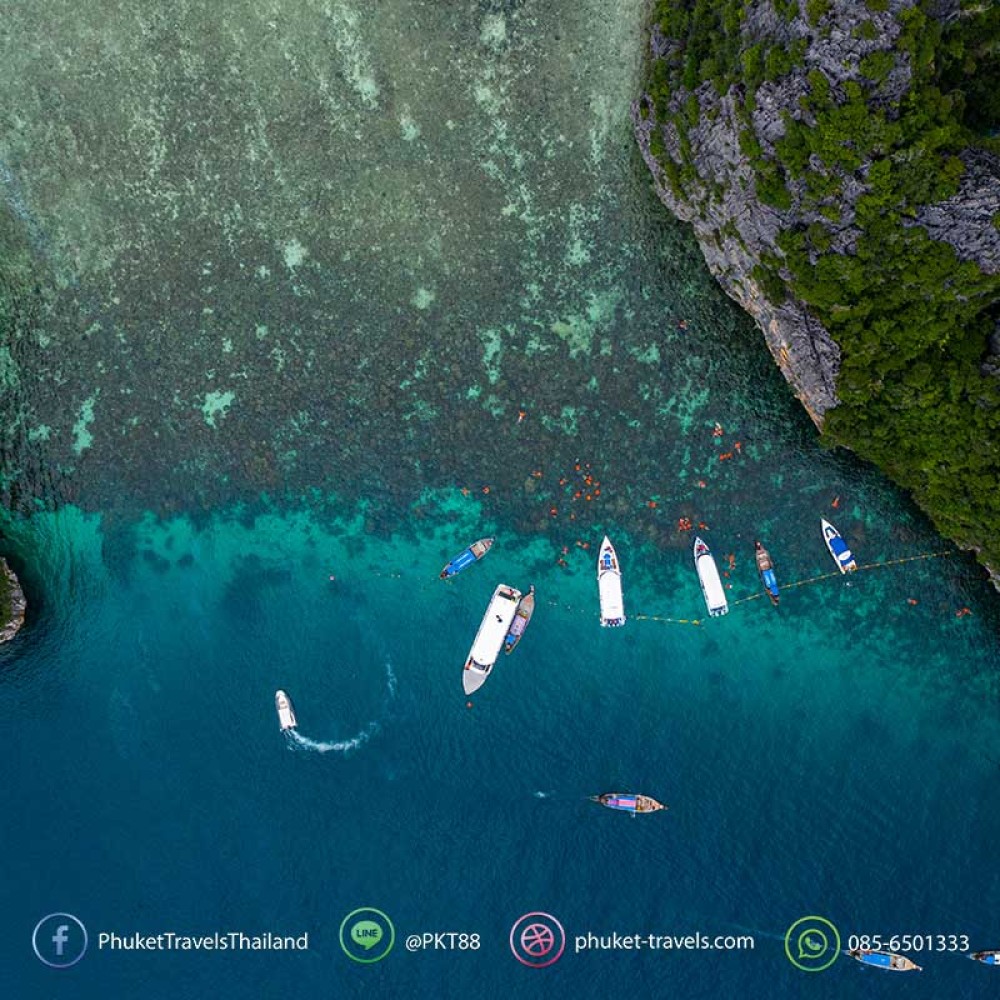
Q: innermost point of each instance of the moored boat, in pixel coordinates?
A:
(472, 554)
(711, 582)
(626, 802)
(525, 609)
(766, 570)
(991, 957)
(286, 713)
(887, 960)
(609, 586)
(838, 548)
(489, 639)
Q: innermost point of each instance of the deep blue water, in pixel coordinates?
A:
(827, 758)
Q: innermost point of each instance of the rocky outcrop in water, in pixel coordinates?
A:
(16, 602)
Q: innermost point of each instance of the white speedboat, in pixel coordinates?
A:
(489, 639)
(838, 548)
(609, 586)
(711, 583)
(286, 714)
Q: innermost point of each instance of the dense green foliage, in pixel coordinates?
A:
(911, 319)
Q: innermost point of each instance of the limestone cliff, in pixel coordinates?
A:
(839, 164)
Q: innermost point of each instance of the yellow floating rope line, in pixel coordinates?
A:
(860, 569)
(800, 583)
(660, 618)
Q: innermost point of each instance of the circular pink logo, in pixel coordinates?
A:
(537, 940)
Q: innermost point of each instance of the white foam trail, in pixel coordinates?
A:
(355, 742)
(341, 746)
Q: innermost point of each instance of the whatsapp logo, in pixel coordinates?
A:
(812, 944)
(367, 935)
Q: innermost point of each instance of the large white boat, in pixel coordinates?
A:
(609, 585)
(286, 714)
(711, 583)
(490, 637)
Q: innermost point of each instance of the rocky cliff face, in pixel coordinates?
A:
(967, 221)
(734, 231)
(12, 626)
(718, 191)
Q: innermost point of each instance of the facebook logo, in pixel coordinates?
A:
(59, 940)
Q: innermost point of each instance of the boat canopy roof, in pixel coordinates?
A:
(711, 583)
(495, 625)
(609, 585)
(460, 562)
(624, 801)
(879, 958)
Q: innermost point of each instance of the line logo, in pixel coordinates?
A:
(367, 935)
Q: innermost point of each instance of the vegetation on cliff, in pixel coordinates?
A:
(919, 393)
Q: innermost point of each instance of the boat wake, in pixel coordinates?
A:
(347, 746)
(340, 746)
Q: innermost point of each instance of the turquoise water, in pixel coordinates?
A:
(293, 286)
